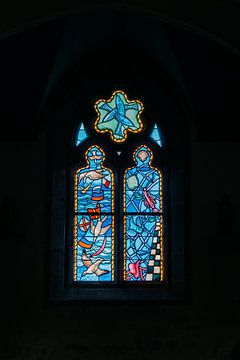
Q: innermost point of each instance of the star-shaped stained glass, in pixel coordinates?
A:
(118, 115)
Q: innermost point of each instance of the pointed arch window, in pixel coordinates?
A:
(139, 255)
(119, 205)
(143, 220)
(93, 219)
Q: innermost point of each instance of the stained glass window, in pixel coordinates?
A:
(81, 134)
(155, 135)
(94, 219)
(118, 115)
(143, 219)
(138, 256)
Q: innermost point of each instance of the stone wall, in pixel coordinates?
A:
(206, 326)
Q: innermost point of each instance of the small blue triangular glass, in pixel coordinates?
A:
(155, 135)
(81, 135)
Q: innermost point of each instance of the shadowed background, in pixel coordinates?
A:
(197, 51)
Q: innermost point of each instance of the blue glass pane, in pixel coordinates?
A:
(94, 184)
(118, 115)
(143, 225)
(93, 228)
(144, 254)
(155, 135)
(81, 135)
(142, 184)
(94, 248)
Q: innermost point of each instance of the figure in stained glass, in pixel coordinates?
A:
(142, 184)
(143, 237)
(94, 184)
(94, 220)
(118, 115)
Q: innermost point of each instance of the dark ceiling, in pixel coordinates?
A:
(210, 72)
(217, 18)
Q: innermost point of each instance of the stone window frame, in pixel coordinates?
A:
(60, 288)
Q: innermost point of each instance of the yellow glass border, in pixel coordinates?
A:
(126, 130)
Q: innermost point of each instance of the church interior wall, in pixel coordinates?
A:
(205, 324)
(202, 327)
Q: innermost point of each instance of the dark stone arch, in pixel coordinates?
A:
(140, 75)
